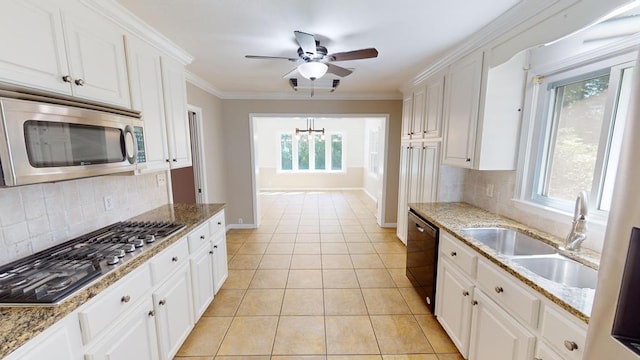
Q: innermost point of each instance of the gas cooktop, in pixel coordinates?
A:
(49, 276)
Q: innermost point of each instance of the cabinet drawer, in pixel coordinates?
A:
(217, 223)
(563, 334)
(457, 253)
(509, 294)
(198, 238)
(168, 261)
(108, 306)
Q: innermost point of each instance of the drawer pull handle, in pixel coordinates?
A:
(162, 302)
(465, 293)
(125, 299)
(474, 303)
(151, 313)
(499, 289)
(570, 345)
(174, 259)
(202, 237)
(453, 253)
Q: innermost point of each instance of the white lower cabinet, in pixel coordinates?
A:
(173, 308)
(490, 315)
(220, 268)
(202, 280)
(495, 335)
(453, 304)
(133, 338)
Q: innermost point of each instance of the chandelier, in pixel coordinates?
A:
(310, 130)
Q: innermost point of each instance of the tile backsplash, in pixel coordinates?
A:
(36, 217)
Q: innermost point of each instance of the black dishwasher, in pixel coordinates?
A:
(422, 256)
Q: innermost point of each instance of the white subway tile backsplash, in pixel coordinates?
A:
(36, 217)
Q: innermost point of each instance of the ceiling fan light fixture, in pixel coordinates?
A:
(312, 70)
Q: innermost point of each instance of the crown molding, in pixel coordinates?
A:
(125, 18)
(307, 96)
(203, 84)
(521, 15)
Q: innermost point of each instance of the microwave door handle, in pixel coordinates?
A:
(128, 130)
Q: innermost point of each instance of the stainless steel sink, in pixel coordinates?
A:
(509, 242)
(561, 270)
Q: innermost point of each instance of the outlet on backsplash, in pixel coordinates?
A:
(108, 202)
(161, 179)
(489, 190)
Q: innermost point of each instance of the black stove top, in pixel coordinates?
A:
(49, 276)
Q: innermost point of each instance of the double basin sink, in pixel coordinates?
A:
(536, 256)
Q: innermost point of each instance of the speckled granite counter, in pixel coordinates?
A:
(454, 216)
(20, 324)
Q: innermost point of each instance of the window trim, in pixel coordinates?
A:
(534, 141)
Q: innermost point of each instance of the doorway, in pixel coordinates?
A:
(349, 155)
(187, 184)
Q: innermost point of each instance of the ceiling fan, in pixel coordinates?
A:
(316, 61)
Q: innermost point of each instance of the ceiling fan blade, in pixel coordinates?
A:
(290, 73)
(354, 55)
(307, 42)
(338, 70)
(271, 57)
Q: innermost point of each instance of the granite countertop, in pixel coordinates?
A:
(452, 217)
(20, 324)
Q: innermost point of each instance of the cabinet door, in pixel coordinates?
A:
(175, 95)
(544, 352)
(201, 280)
(429, 166)
(462, 99)
(495, 335)
(433, 107)
(174, 312)
(33, 46)
(145, 78)
(96, 57)
(62, 341)
(220, 267)
(415, 173)
(419, 97)
(407, 107)
(401, 230)
(453, 305)
(135, 338)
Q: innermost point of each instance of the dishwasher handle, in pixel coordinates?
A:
(422, 225)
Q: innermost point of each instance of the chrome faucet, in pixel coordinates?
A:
(578, 232)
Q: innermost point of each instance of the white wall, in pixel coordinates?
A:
(36, 217)
(373, 183)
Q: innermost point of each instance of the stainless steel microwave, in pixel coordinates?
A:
(45, 142)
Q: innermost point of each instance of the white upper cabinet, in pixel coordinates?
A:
(482, 112)
(422, 110)
(407, 108)
(71, 51)
(175, 95)
(145, 79)
(417, 120)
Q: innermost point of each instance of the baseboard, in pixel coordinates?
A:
(370, 196)
(241, 226)
(389, 225)
(290, 189)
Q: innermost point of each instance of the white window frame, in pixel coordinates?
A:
(312, 154)
(373, 166)
(535, 139)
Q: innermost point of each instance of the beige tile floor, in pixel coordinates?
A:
(319, 279)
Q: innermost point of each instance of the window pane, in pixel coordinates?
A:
(577, 122)
(286, 152)
(303, 153)
(319, 150)
(613, 157)
(336, 152)
(373, 152)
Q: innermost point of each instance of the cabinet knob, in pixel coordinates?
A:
(219, 222)
(474, 303)
(79, 82)
(465, 293)
(67, 78)
(162, 302)
(125, 299)
(215, 246)
(175, 160)
(570, 345)
(211, 252)
(202, 237)
(453, 253)
(174, 259)
(151, 313)
(167, 160)
(499, 289)
(468, 160)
